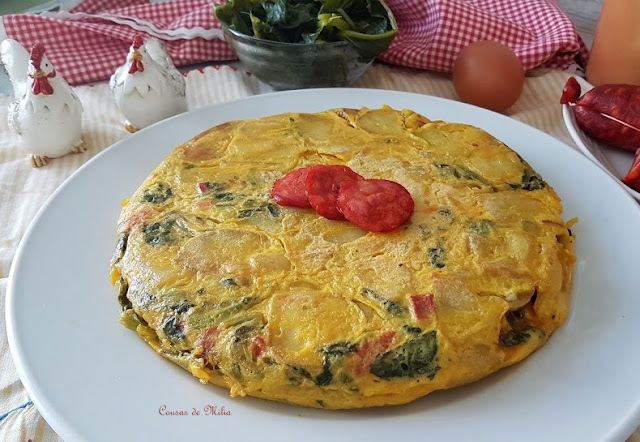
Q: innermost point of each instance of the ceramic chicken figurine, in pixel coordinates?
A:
(46, 114)
(148, 87)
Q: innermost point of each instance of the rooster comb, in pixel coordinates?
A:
(138, 41)
(37, 52)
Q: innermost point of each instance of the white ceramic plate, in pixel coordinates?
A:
(93, 380)
(613, 160)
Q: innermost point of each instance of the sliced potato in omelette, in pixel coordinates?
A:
(283, 304)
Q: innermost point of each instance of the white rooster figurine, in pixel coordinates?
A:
(148, 87)
(47, 114)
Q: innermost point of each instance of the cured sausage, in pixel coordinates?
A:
(632, 179)
(571, 91)
(322, 186)
(375, 205)
(606, 128)
(290, 189)
(609, 113)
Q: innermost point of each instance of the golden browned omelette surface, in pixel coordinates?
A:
(280, 303)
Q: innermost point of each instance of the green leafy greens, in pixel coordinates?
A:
(367, 24)
(416, 357)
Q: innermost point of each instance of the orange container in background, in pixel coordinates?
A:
(615, 53)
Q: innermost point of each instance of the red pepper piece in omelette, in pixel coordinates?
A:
(208, 341)
(323, 184)
(367, 353)
(290, 191)
(258, 347)
(422, 306)
(375, 205)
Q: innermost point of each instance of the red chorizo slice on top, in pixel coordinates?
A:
(290, 189)
(322, 186)
(375, 205)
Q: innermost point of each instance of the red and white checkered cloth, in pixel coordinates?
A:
(431, 33)
(88, 42)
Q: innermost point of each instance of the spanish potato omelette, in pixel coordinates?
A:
(283, 304)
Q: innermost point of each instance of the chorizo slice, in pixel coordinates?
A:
(323, 184)
(571, 91)
(290, 189)
(375, 205)
(632, 179)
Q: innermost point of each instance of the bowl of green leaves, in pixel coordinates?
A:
(294, 44)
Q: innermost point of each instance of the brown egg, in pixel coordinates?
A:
(488, 74)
